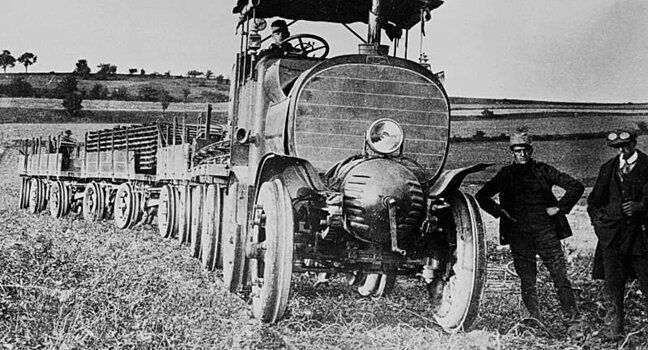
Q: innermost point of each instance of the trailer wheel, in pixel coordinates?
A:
(24, 193)
(42, 195)
(184, 210)
(195, 230)
(168, 211)
(58, 200)
(211, 228)
(125, 209)
(270, 251)
(458, 304)
(36, 196)
(93, 202)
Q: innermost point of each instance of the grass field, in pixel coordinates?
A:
(71, 284)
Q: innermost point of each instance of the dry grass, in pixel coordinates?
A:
(71, 284)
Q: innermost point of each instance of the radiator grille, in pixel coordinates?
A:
(336, 106)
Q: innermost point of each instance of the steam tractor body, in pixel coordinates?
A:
(327, 165)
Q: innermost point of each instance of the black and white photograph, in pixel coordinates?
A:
(324, 174)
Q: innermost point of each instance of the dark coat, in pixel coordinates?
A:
(604, 203)
(604, 207)
(548, 176)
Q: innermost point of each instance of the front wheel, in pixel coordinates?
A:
(270, 251)
(457, 305)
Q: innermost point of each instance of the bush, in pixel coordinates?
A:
(214, 96)
(120, 93)
(18, 88)
(72, 103)
(487, 113)
(98, 92)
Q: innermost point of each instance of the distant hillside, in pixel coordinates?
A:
(124, 87)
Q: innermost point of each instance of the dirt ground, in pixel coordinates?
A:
(70, 284)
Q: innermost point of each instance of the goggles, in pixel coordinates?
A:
(622, 136)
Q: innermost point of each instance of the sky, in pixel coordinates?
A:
(574, 50)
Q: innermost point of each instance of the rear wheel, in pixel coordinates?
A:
(373, 284)
(231, 242)
(458, 304)
(270, 251)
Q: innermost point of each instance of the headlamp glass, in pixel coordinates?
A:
(385, 136)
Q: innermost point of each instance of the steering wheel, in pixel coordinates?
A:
(307, 45)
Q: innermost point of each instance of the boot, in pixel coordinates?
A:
(530, 300)
(614, 316)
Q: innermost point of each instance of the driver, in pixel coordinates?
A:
(280, 33)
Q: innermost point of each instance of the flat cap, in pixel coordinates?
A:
(520, 139)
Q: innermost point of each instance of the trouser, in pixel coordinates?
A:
(545, 243)
(615, 278)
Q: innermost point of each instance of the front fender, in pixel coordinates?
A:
(296, 174)
(450, 180)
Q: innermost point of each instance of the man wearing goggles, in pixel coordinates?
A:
(279, 33)
(617, 208)
(533, 222)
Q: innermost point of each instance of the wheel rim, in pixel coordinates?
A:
(211, 228)
(459, 303)
(123, 206)
(196, 221)
(271, 252)
(166, 212)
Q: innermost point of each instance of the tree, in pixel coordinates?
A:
(105, 70)
(194, 73)
(71, 96)
(6, 60)
(220, 78)
(209, 74)
(82, 68)
(132, 71)
(27, 59)
(142, 71)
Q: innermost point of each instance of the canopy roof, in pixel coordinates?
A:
(403, 14)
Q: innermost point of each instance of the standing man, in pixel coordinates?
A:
(533, 221)
(617, 208)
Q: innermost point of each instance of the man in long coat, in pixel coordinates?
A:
(533, 221)
(617, 208)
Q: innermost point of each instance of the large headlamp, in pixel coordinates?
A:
(384, 136)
